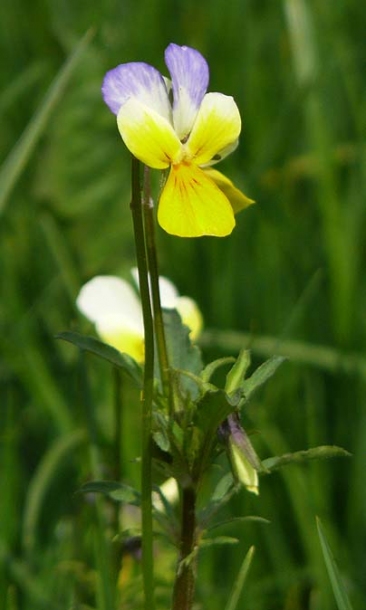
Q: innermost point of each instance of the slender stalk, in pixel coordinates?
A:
(185, 580)
(147, 393)
(155, 291)
(184, 585)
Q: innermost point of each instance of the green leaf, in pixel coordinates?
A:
(183, 356)
(299, 457)
(114, 490)
(223, 488)
(247, 519)
(162, 440)
(223, 492)
(261, 375)
(106, 352)
(235, 377)
(218, 540)
(161, 429)
(232, 603)
(212, 367)
(338, 587)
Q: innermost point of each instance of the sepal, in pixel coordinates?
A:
(245, 463)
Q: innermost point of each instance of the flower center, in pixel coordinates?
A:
(184, 156)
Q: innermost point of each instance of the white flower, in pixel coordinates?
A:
(114, 307)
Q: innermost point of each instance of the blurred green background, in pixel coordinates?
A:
(289, 280)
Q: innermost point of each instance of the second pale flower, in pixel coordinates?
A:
(114, 307)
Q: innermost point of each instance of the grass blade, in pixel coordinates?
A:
(51, 463)
(340, 594)
(20, 154)
(239, 583)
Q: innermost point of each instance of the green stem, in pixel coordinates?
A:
(155, 290)
(147, 393)
(184, 585)
(185, 581)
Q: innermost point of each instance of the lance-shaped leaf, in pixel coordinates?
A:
(299, 457)
(218, 540)
(106, 352)
(212, 367)
(261, 375)
(223, 492)
(114, 490)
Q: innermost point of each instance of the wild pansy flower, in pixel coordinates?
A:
(176, 124)
(114, 307)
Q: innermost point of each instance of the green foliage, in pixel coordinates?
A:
(261, 375)
(183, 356)
(106, 352)
(240, 581)
(298, 457)
(22, 151)
(340, 593)
(115, 491)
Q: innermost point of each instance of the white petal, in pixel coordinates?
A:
(168, 293)
(110, 303)
(190, 75)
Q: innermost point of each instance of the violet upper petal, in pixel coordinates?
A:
(136, 80)
(190, 75)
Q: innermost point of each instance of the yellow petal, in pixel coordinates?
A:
(191, 205)
(169, 489)
(148, 135)
(238, 200)
(217, 127)
(126, 341)
(191, 316)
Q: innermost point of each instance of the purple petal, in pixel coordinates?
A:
(190, 76)
(139, 80)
